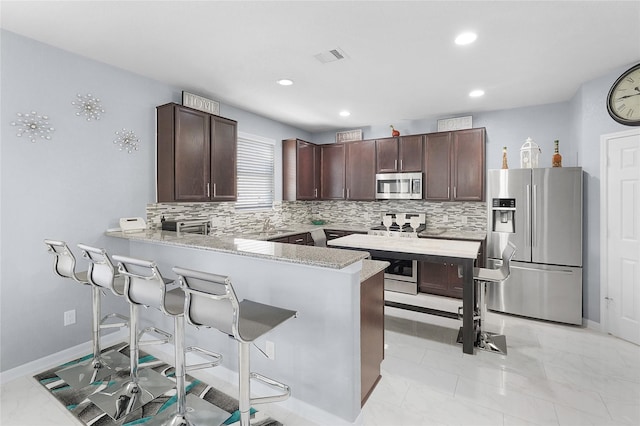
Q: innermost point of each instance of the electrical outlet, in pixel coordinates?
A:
(270, 349)
(70, 317)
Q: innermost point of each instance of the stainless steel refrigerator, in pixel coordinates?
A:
(540, 211)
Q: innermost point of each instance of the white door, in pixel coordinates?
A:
(620, 232)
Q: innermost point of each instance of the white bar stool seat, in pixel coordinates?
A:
(489, 341)
(101, 365)
(143, 286)
(212, 302)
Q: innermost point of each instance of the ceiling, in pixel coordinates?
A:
(400, 63)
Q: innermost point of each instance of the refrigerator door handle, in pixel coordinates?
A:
(527, 234)
(534, 229)
(550, 271)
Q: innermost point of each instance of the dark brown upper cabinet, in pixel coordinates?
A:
(196, 155)
(403, 154)
(332, 173)
(361, 170)
(455, 165)
(300, 170)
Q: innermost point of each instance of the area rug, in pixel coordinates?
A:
(77, 402)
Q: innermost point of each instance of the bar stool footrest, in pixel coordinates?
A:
(217, 358)
(166, 337)
(272, 383)
(124, 323)
(476, 314)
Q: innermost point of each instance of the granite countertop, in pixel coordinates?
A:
(371, 267)
(306, 255)
(452, 234)
(297, 228)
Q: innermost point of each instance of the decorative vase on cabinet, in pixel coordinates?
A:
(556, 160)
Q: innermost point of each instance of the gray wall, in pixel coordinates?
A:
(78, 184)
(74, 186)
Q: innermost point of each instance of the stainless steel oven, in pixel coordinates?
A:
(401, 275)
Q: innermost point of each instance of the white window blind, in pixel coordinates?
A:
(255, 172)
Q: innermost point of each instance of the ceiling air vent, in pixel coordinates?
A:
(331, 55)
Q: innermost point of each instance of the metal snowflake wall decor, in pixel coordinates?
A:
(88, 106)
(127, 140)
(33, 126)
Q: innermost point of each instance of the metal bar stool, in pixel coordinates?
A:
(212, 302)
(488, 341)
(143, 285)
(101, 365)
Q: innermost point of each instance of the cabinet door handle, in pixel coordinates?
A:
(214, 190)
(347, 192)
(455, 192)
(401, 165)
(448, 188)
(315, 193)
(343, 193)
(395, 164)
(208, 190)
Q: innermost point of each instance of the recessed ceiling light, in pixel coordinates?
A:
(476, 93)
(466, 38)
(285, 82)
(344, 113)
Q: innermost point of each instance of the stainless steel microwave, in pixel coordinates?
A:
(399, 186)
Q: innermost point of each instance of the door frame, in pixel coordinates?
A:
(604, 220)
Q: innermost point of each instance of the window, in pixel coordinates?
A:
(255, 172)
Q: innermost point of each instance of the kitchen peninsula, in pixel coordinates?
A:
(330, 354)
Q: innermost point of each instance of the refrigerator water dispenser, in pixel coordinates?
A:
(504, 215)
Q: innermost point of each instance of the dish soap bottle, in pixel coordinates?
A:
(504, 158)
(556, 160)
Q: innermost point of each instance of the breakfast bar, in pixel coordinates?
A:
(325, 354)
(462, 253)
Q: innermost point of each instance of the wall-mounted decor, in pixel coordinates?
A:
(88, 106)
(623, 100)
(201, 104)
(33, 126)
(127, 140)
(349, 136)
(457, 123)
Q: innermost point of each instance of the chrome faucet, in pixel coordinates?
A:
(267, 226)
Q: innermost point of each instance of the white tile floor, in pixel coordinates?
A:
(553, 375)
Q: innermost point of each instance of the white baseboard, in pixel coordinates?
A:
(592, 325)
(33, 367)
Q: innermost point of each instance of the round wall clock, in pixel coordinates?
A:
(623, 101)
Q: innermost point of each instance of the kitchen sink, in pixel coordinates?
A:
(269, 233)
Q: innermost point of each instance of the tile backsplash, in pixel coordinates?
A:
(224, 218)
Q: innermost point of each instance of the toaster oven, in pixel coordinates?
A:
(196, 226)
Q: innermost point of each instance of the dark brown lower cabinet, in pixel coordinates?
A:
(304, 239)
(371, 333)
(445, 278)
(442, 279)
